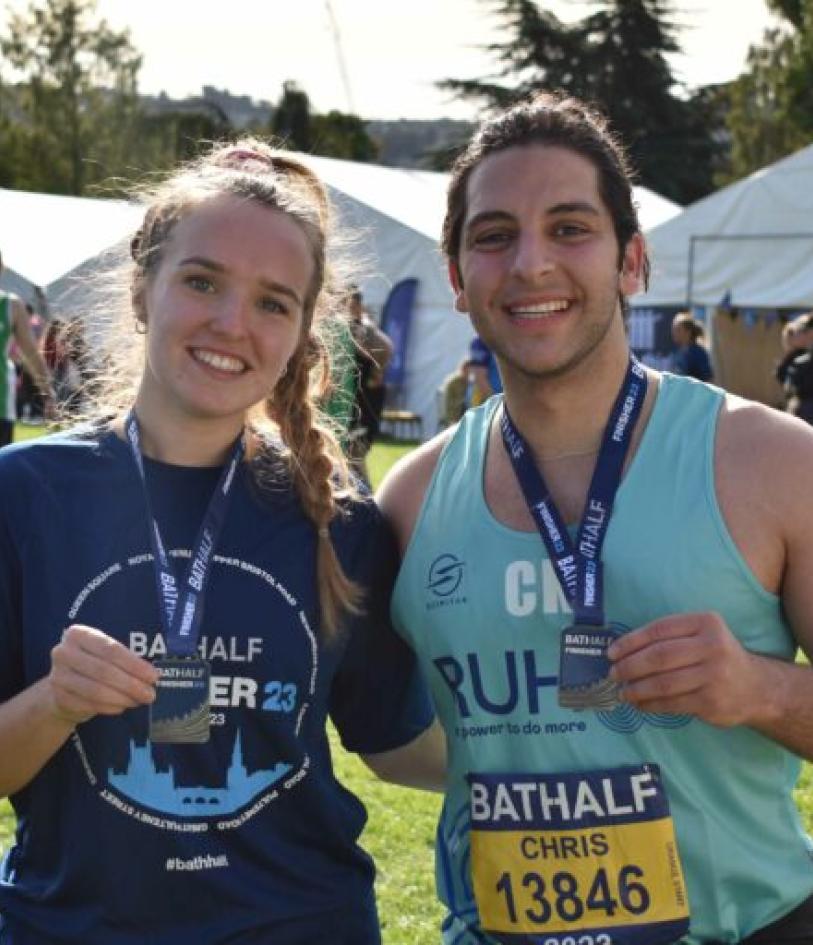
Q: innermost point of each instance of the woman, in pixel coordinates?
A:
(691, 357)
(169, 765)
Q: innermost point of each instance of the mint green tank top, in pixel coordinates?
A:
(8, 376)
(480, 604)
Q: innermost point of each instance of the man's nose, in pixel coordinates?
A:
(533, 256)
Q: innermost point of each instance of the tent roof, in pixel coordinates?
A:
(418, 198)
(752, 239)
(414, 198)
(43, 236)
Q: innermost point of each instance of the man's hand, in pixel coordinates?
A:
(692, 664)
(93, 674)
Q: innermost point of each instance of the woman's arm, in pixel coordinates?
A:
(91, 674)
(420, 763)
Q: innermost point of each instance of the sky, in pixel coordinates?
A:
(391, 53)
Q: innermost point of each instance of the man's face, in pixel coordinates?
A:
(538, 261)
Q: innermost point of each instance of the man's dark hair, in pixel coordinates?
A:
(555, 120)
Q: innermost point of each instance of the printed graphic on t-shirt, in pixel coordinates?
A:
(170, 786)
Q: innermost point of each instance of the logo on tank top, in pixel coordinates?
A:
(445, 582)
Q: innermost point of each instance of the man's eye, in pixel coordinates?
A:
(571, 230)
(491, 238)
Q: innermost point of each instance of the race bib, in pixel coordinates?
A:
(586, 858)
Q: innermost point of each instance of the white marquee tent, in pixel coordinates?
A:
(395, 213)
(751, 242)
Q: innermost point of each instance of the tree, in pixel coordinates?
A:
(291, 121)
(342, 135)
(77, 95)
(336, 134)
(771, 113)
(615, 58)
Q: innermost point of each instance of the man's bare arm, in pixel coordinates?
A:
(693, 663)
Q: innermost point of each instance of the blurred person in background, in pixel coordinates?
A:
(15, 327)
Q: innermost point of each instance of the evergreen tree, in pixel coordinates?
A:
(336, 134)
(291, 121)
(342, 135)
(616, 59)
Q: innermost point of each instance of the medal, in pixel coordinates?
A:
(583, 662)
(180, 712)
(583, 669)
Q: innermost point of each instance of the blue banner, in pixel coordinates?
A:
(395, 322)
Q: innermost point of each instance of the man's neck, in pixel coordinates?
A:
(566, 414)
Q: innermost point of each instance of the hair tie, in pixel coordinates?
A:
(237, 155)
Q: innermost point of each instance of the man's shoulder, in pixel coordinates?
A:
(770, 447)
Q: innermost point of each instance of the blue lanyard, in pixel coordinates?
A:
(182, 610)
(579, 568)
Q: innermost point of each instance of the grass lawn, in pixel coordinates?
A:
(27, 431)
(400, 831)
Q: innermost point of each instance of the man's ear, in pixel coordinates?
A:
(632, 265)
(461, 303)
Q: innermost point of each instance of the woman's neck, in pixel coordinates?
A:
(183, 441)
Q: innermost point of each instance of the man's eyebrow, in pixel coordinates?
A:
(574, 206)
(214, 266)
(488, 216)
(570, 206)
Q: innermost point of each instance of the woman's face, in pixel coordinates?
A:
(680, 334)
(224, 310)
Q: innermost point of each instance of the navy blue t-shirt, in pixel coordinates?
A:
(693, 361)
(248, 838)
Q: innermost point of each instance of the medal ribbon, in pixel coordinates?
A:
(181, 610)
(579, 568)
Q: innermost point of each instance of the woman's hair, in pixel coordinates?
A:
(692, 325)
(308, 452)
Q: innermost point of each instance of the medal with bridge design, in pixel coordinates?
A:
(584, 669)
(180, 713)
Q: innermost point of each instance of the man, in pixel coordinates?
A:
(14, 326)
(373, 351)
(795, 371)
(621, 773)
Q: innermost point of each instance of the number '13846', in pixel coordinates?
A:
(562, 896)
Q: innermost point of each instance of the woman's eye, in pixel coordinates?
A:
(270, 304)
(199, 283)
